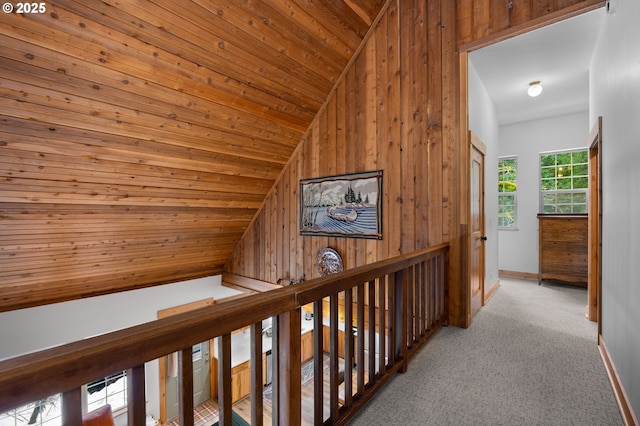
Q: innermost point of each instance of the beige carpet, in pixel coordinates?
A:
(529, 358)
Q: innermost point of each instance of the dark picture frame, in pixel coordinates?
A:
(348, 205)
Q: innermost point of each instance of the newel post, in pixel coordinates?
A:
(289, 368)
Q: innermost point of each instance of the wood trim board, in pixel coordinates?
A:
(628, 415)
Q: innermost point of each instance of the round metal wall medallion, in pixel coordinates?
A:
(328, 262)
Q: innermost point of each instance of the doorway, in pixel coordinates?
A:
(496, 63)
(168, 368)
(201, 380)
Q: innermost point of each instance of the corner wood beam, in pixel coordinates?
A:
(246, 284)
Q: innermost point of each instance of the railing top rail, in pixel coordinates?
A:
(37, 375)
(319, 288)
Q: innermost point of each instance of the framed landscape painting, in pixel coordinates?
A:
(342, 206)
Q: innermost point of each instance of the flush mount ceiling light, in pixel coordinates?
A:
(535, 88)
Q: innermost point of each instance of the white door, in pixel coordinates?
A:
(201, 381)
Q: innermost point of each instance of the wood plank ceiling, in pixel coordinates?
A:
(139, 138)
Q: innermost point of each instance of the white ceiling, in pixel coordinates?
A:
(558, 55)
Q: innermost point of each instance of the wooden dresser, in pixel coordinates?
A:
(563, 248)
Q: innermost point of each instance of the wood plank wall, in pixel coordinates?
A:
(486, 21)
(386, 113)
(130, 158)
(398, 109)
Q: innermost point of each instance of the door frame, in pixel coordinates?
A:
(594, 284)
(463, 117)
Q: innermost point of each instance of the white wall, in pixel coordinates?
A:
(615, 96)
(32, 329)
(518, 249)
(483, 121)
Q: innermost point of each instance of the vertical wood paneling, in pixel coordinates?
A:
(386, 113)
(481, 18)
(451, 152)
(484, 19)
(427, 70)
(408, 113)
(381, 106)
(499, 15)
(432, 213)
(542, 7)
(464, 19)
(520, 12)
(393, 147)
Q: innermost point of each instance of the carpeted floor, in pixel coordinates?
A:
(529, 358)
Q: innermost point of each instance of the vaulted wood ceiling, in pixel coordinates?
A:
(138, 138)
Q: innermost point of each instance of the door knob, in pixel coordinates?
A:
(483, 238)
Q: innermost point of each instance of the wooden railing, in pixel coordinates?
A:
(393, 307)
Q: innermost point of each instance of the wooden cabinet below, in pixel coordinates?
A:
(563, 248)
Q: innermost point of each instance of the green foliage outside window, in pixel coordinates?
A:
(507, 186)
(564, 181)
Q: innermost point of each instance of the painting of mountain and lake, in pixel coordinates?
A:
(342, 206)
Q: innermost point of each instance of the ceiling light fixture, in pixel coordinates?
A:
(535, 88)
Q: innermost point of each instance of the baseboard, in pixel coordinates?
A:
(628, 416)
(492, 290)
(516, 274)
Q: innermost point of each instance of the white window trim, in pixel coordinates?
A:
(515, 197)
(559, 191)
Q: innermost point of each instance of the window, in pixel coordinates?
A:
(48, 412)
(564, 181)
(507, 186)
(110, 390)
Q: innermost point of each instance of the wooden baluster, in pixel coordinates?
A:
(224, 381)
(348, 347)
(436, 292)
(289, 368)
(437, 311)
(72, 407)
(256, 375)
(136, 399)
(185, 386)
(333, 357)
(444, 282)
(318, 364)
(432, 295)
(417, 300)
(382, 298)
(411, 312)
(427, 297)
(372, 331)
(360, 338)
(400, 326)
(423, 297)
(391, 303)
